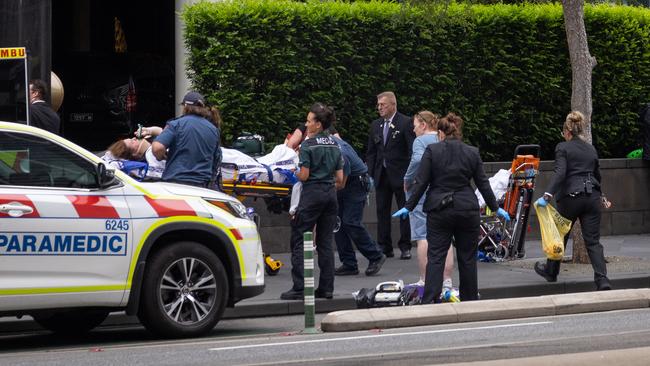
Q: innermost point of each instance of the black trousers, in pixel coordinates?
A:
(318, 206)
(384, 195)
(352, 200)
(463, 226)
(587, 208)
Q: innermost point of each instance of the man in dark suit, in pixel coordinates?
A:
(390, 144)
(41, 114)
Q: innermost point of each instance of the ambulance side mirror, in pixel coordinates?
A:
(105, 177)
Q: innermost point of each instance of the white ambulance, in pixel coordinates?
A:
(78, 240)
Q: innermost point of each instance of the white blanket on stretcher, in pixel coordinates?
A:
(499, 184)
(237, 166)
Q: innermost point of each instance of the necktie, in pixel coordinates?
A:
(386, 127)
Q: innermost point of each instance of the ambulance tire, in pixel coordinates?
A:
(72, 323)
(156, 293)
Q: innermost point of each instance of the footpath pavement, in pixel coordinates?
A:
(628, 267)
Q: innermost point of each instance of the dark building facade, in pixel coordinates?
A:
(116, 61)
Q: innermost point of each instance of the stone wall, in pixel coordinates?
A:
(625, 182)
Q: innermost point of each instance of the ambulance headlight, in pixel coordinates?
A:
(234, 208)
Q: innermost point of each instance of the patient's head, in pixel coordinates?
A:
(129, 149)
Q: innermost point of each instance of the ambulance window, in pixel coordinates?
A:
(27, 160)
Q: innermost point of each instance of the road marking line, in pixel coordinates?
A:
(375, 336)
(387, 355)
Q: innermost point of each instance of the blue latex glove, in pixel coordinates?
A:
(402, 213)
(541, 202)
(504, 214)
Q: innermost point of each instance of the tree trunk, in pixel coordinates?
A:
(582, 63)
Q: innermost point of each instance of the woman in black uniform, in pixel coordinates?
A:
(576, 188)
(446, 169)
(321, 173)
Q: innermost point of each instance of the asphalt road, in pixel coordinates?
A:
(276, 341)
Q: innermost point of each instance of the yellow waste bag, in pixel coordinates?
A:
(553, 227)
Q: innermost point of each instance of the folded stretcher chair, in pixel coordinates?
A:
(500, 240)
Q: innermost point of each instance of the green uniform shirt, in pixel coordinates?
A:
(322, 156)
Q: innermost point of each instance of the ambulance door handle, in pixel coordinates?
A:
(16, 209)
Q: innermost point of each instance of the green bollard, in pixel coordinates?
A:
(310, 305)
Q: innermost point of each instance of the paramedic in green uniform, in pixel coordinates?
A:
(321, 173)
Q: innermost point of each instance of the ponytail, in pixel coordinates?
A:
(575, 123)
(451, 125)
(323, 114)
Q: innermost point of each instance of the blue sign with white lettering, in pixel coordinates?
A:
(77, 244)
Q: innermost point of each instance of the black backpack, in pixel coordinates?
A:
(644, 121)
(249, 144)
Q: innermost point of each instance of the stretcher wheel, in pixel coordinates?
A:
(520, 254)
(501, 252)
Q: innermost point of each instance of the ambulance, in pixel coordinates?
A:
(79, 240)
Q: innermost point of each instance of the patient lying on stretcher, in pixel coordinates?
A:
(134, 157)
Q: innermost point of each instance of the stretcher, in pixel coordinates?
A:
(277, 196)
(500, 240)
(256, 189)
(269, 177)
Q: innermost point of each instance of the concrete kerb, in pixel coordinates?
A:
(587, 302)
(389, 317)
(521, 307)
(395, 317)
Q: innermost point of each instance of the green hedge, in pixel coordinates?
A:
(504, 68)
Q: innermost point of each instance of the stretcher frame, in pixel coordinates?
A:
(277, 197)
(501, 240)
(256, 189)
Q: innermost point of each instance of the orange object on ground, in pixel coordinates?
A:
(523, 171)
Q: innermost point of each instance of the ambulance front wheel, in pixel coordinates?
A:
(73, 322)
(184, 291)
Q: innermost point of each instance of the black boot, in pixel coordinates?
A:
(549, 270)
(602, 284)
